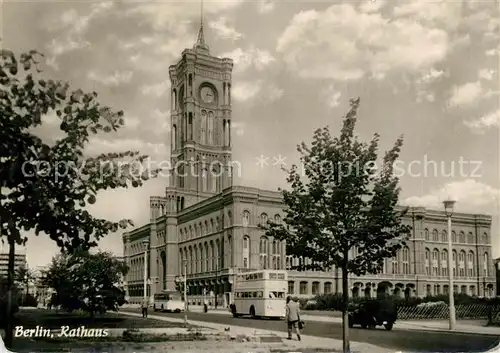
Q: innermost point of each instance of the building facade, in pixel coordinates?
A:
(207, 228)
(19, 261)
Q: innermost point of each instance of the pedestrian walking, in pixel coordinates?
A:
(292, 317)
(145, 305)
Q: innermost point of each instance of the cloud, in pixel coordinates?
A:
(442, 13)
(332, 96)
(425, 81)
(252, 57)
(471, 196)
(344, 44)
(164, 14)
(492, 52)
(223, 30)
(485, 122)
(238, 128)
(116, 79)
(74, 26)
(486, 74)
(157, 89)
(245, 91)
(265, 6)
(466, 94)
(372, 6)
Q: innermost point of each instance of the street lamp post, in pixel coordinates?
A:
(146, 245)
(183, 280)
(448, 207)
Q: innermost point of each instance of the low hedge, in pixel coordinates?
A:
(335, 301)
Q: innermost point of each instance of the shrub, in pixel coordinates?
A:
(27, 300)
(333, 301)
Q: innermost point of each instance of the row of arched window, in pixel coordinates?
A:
(270, 252)
(461, 238)
(136, 268)
(136, 248)
(207, 256)
(199, 229)
(263, 218)
(463, 264)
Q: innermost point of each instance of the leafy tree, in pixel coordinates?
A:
(25, 276)
(86, 281)
(342, 203)
(45, 184)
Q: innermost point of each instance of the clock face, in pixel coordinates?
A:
(207, 94)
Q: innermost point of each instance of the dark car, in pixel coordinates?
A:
(372, 313)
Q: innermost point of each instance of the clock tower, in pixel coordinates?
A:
(200, 125)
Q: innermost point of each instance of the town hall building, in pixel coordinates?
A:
(207, 227)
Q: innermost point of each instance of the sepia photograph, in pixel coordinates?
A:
(249, 176)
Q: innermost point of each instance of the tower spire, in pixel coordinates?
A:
(200, 42)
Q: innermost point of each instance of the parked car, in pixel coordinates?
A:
(372, 313)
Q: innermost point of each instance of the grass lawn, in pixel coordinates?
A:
(49, 319)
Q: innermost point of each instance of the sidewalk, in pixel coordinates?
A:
(307, 342)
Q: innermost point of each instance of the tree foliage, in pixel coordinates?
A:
(86, 281)
(46, 184)
(341, 210)
(345, 202)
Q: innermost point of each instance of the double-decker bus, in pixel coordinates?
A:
(260, 294)
(168, 301)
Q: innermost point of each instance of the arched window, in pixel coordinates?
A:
(174, 137)
(454, 262)
(461, 264)
(204, 179)
(263, 249)
(406, 260)
(213, 177)
(426, 234)
(470, 238)
(207, 264)
(453, 237)
(263, 219)
(485, 239)
(444, 263)
(246, 251)
(191, 262)
(435, 235)
(470, 264)
(395, 264)
(246, 218)
(485, 265)
(207, 230)
(203, 127)
(435, 262)
(461, 238)
(427, 262)
(277, 219)
(210, 128)
(444, 236)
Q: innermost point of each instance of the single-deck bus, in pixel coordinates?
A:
(168, 301)
(260, 294)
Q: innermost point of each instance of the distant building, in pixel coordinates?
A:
(19, 261)
(206, 228)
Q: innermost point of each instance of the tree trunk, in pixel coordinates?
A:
(345, 314)
(10, 294)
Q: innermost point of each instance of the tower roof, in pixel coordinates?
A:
(200, 45)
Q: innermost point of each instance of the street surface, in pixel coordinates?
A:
(397, 339)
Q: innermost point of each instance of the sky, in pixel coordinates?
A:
(427, 70)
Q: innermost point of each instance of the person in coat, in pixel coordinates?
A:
(292, 317)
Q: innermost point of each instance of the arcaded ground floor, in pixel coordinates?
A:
(307, 285)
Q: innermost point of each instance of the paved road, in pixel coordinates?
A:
(405, 340)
